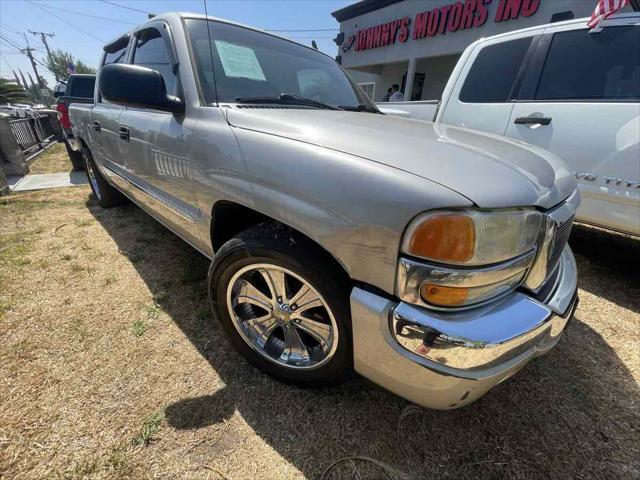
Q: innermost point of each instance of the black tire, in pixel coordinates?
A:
(107, 195)
(274, 244)
(77, 159)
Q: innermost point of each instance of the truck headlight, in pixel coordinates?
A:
(472, 237)
(466, 257)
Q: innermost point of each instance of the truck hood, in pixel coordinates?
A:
(490, 170)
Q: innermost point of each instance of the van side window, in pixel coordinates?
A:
(151, 52)
(592, 66)
(494, 72)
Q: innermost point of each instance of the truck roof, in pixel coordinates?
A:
(632, 17)
(201, 16)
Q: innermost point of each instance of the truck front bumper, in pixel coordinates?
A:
(447, 360)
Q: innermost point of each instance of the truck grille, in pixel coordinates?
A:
(562, 236)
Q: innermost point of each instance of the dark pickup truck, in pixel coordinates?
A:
(79, 90)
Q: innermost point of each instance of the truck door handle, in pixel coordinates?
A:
(123, 133)
(533, 120)
(96, 126)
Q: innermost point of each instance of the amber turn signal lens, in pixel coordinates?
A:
(443, 296)
(447, 237)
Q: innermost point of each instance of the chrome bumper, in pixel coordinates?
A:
(447, 360)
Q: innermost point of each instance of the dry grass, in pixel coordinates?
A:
(83, 395)
(54, 160)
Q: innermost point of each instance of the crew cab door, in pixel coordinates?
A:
(580, 100)
(483, 95)
(154, 143)
(104, 120)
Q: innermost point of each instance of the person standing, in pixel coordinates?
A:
(388, 95)
(396, 95)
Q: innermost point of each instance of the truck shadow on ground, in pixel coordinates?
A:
(568, 414)
(602, 255)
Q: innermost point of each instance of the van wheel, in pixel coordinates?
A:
(283, 306)
(77, 158)
(106, 194)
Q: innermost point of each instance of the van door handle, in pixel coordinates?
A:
(123, 133)
(533, 120)
(96, 126)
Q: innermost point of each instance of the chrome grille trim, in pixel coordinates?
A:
(553, 241)
(559, 242)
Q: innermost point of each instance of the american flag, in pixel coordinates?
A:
(71, 68)
(604, 10)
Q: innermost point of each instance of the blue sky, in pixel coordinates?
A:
(83, 36)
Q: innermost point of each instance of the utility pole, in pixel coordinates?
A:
(27, 51)
(43, 37)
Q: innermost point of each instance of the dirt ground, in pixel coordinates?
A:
(111, 366)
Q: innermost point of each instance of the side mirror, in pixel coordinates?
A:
(136, 86)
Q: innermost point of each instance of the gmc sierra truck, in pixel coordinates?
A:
(431, 259)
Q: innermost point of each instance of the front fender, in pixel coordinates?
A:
(354, 208)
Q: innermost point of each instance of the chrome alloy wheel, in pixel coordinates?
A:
(281, 316)
(93, 179)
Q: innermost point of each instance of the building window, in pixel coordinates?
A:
(494, 72)
(369, 88)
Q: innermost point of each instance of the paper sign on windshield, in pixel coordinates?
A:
(238, 61)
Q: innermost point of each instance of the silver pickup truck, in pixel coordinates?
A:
(431, 260)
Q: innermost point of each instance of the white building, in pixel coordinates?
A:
(384, 42)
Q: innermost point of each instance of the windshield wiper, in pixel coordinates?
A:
(287, 99)
(362, 107)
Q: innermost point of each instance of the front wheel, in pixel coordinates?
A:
(284, 306)
(106, 194)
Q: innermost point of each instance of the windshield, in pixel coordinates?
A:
(253, 64)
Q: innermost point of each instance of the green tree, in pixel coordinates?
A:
(11, 92)
(59, 61)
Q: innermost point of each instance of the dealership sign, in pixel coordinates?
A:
(448, 18)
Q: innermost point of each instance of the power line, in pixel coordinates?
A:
(28, 51)
(19, 34)
(123, 6)
(6, 45)
(8, 27)
(91, 16)
(20, 49)
(11, 43)
(43, 38)
(46, 10)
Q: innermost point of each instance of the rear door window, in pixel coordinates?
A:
(82, 87)
(602, 66)
(494, 71)
(151, 52)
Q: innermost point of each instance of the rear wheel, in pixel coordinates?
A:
(77, 159)
(106, 194)
(283, 306)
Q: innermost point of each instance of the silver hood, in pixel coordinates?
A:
(490, 170)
